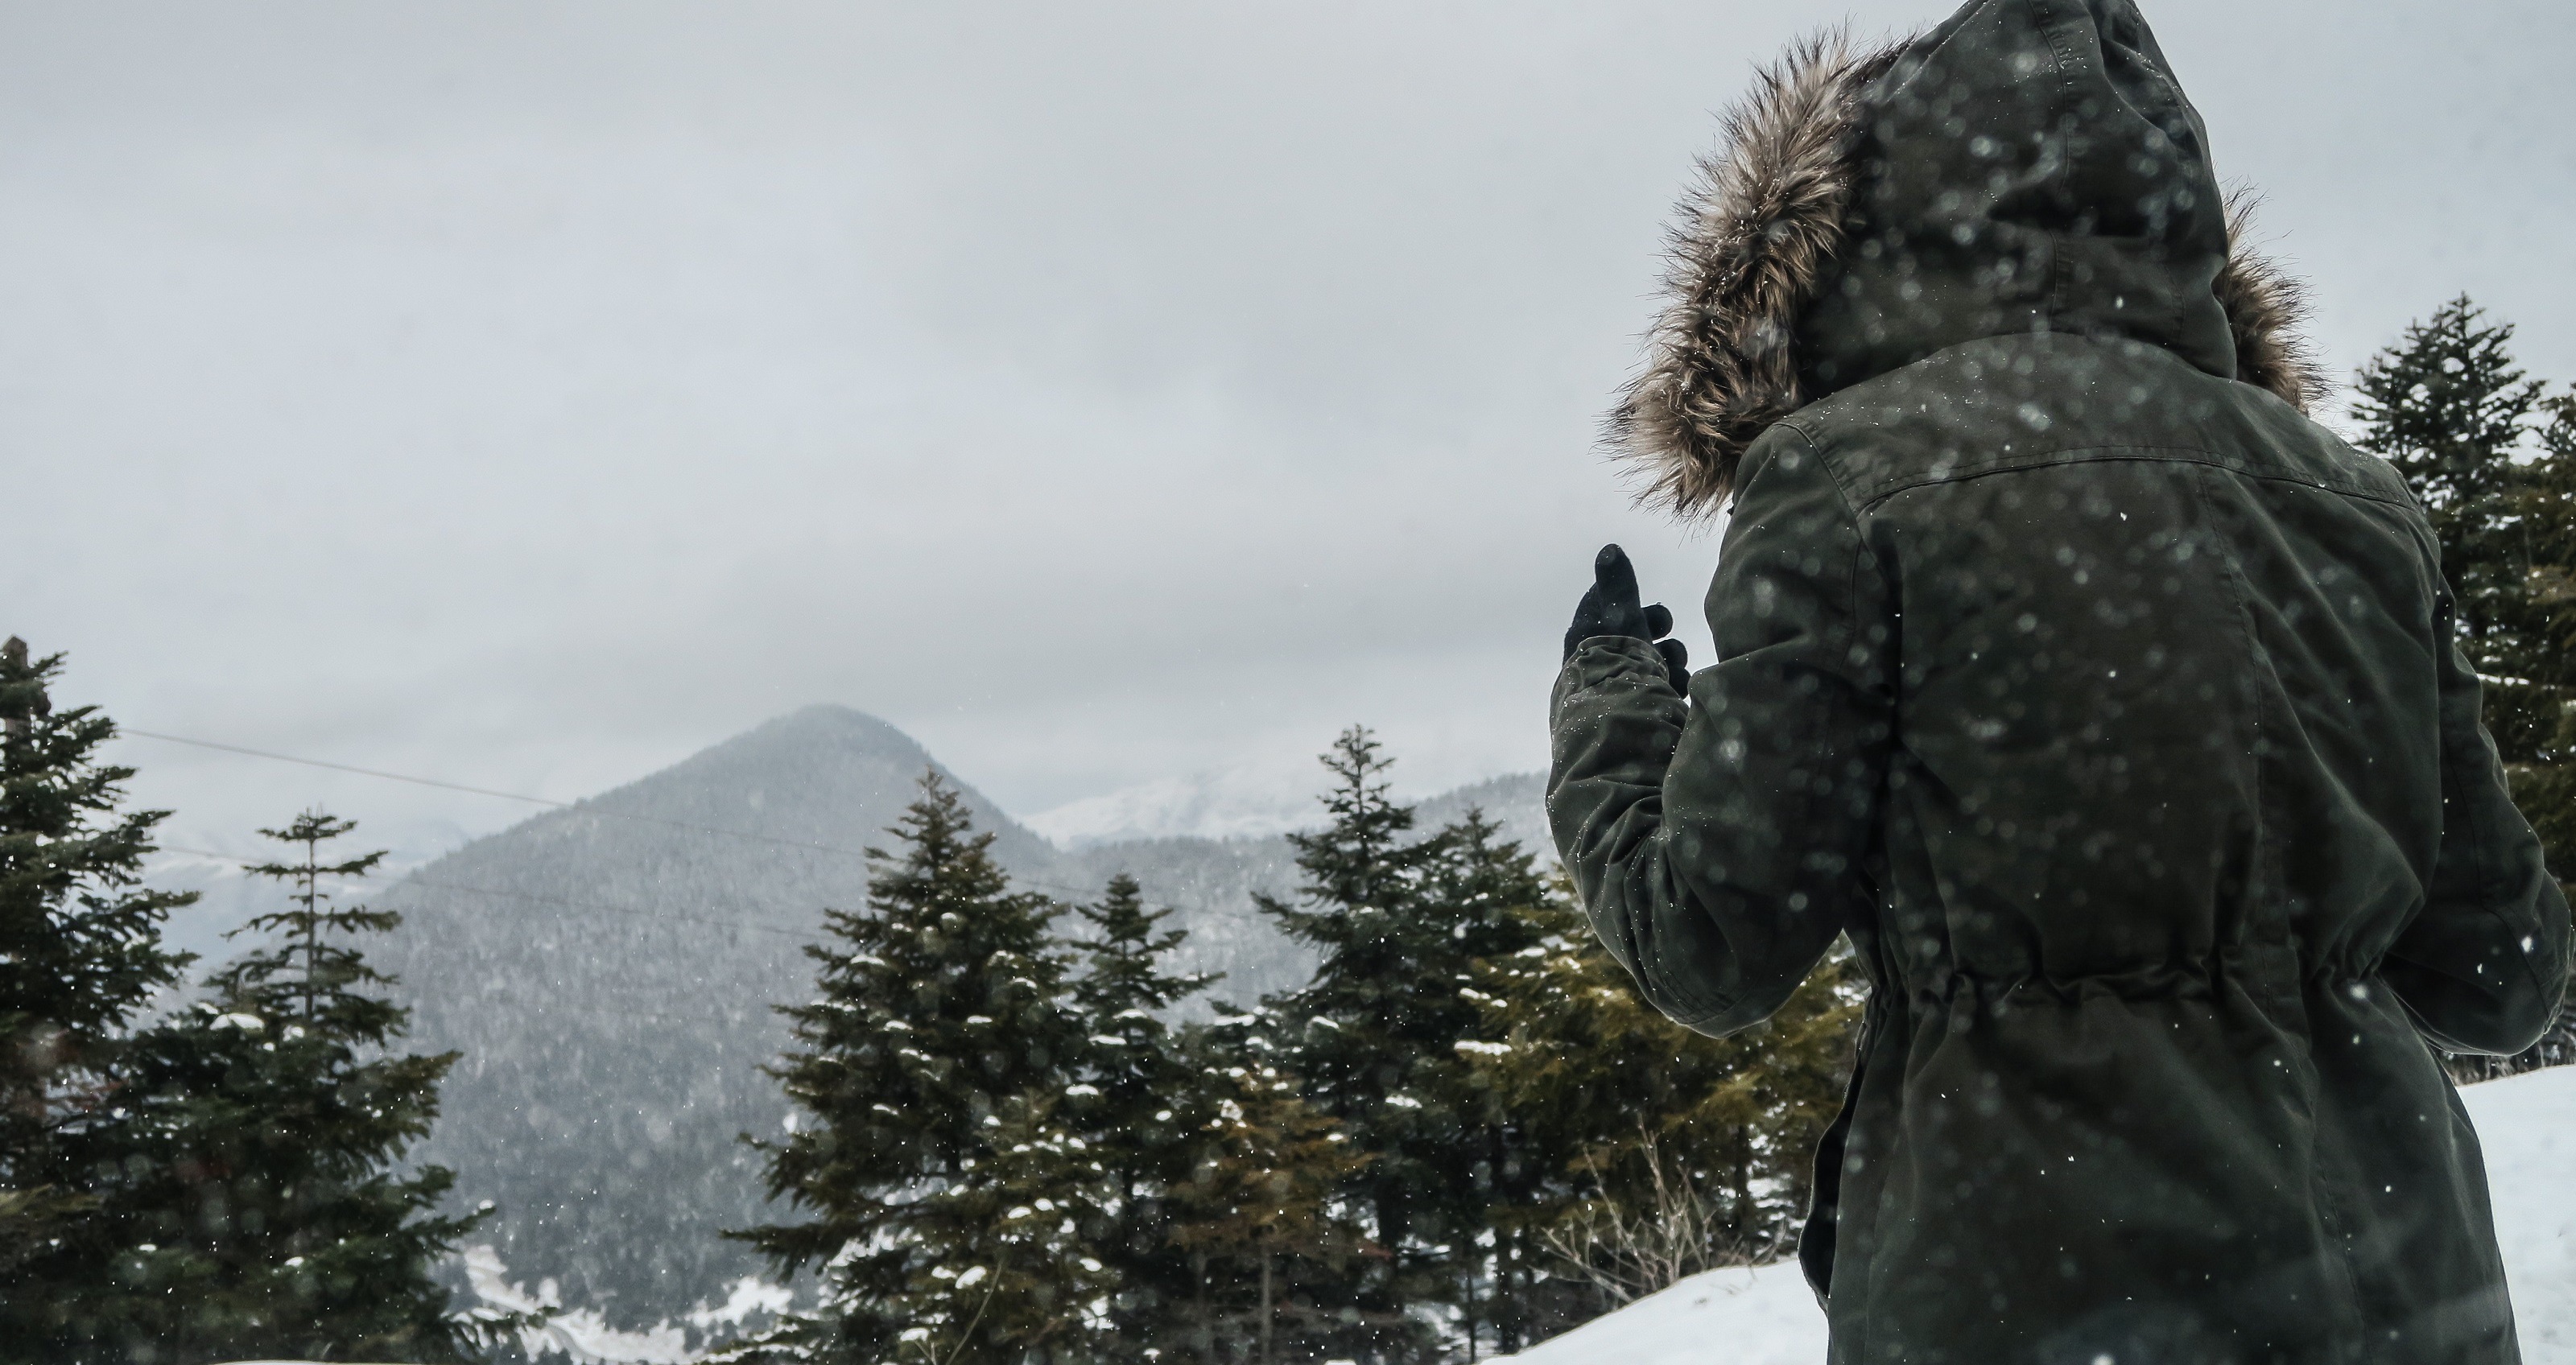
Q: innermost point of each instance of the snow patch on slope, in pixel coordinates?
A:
(1236, 803)
(1764, 1315)
(1258, 800)
(581, 1335)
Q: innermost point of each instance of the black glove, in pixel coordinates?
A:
(1610, 608)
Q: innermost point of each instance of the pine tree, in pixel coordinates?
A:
(1478, 899)
(938, 1018)
(2450, 410)
(1664, 1152)
(259, 1188)
(1360, 1029)
(1133, 1103)
(81, 958)
(1401, 920)
(1017, 1272)
(1262, 1217)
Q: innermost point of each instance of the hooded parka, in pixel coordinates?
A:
(2105, 701)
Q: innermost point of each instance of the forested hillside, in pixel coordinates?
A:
(609, 974)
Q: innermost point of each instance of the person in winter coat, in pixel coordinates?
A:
(2105, 701)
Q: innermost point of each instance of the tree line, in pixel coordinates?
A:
(216, 1175)
(1464, 1134)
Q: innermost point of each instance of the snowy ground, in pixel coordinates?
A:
(2528, 1126)
(1765, 1316)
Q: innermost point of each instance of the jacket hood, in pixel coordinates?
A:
(2030, 166)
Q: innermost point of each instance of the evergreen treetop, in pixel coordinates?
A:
(81, 957)
(1360, 870)
(256, 1194)
(80, 939)
(940, 1012)
(2450, 410)
(312, 977)
(1123, 979)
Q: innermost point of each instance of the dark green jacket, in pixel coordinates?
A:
(2105, 701)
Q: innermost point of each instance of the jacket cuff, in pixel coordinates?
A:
(1611, 661)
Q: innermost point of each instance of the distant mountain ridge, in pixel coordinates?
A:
(607, 972)
(1234, 804)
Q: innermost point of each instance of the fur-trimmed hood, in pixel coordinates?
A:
(2028, 166)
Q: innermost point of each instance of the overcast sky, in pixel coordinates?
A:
(531, 394)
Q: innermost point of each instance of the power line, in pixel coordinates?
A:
(343, 767)
(638, 911)
(1071, 893)
(499, 795)
(1077, 893)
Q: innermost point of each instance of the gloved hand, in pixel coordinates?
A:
(1610, 608)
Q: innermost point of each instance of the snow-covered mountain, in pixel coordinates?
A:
(1247, 803)
(1236, 803)
(607, 972)
(1766, 1316)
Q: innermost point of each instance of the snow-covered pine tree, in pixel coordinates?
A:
(1356, 1031)
(1135, 1106)
(81, 958)
(2451, 411)
(1665, 1152)
(1263, 1217)
(1017, 1274)
(1401, 919)
(939, 1015)
(1465, 1141)
(260, 1191)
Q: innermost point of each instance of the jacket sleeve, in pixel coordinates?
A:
(1719, 846)
(2484, 964)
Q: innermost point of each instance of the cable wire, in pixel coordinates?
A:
(644, 912)
(1074, 893)
(583, 806)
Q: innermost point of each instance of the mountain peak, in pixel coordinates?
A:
(844, 728)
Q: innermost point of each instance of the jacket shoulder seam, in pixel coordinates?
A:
(2195, 455)
(1850, 625)
(1833, 468)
